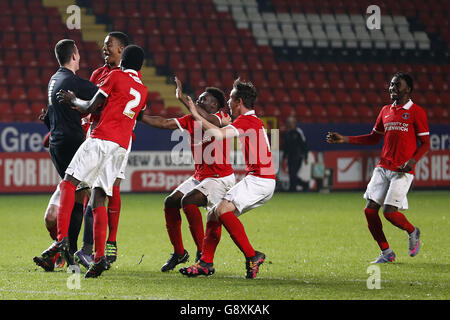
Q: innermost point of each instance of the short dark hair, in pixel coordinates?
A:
(122, 37)
(132, 57)
(64, 50)
(245, 91)
(218, 94)
(405, 76)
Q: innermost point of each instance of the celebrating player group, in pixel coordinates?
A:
(92, 162)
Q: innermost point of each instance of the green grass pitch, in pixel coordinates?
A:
(317, 247)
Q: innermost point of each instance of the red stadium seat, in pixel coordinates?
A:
(223, 62)
(154, 96)
(22, 111)
(335, 113)
(271, 110)
(6, 111)
(17, 93)
(176, 62)
(4, 93)
(287, 110)
(11, 58)
(213, 80)
(441, 113)
(350, 114)
(265, 96)
(327, 97)
(281, 96)
(275, 81)
(296, 96)
(15, 76)
(366, 114)
(303, 113)
(156, 109)
(174, 112)
(192, 62)
(238, 62)
(312, 97)
(197, 79)
(36, 93)
(432, 98)
(290, 80)
(319, 113)
(227, 78)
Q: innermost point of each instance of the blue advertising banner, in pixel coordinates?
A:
(27, 137)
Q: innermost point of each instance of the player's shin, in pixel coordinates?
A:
(399, 220)
(65, 208)
(100, 227)
(76, 219)
(194, 217)
(173, 225)
(237, 233)
(376, 227)
(212, 238)
(114, 204)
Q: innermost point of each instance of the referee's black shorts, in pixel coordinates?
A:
(62, 154)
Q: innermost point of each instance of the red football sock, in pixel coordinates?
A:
(399, 220)
(237, 233)
(211, 240)
(66, 204)
(100, 226)
(194, 217)
(376, 227)
(114, 213)
(173, 225)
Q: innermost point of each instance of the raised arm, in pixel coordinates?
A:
(208, 116)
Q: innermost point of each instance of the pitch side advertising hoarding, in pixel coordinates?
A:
(26, 167)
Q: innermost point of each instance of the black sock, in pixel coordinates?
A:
(88, 236)
(76, 219)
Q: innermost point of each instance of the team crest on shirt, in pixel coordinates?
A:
(405, 116)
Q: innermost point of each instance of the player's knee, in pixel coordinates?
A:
(99, 197)
(224, 207)
(194, 197)
(172, 202)
(212, 215)
(387, 210)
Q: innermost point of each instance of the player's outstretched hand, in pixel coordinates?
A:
(192, 107)
(179, 90)
(64, 96)
(334, 137)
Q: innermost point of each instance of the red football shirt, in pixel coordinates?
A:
(98, 76)
(255, 144)
(211, 157)
(126, 97)
(401, 126)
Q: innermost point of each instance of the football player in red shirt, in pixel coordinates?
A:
(212, 178)
(254, 190)
(114, 44)
(403, 125)
(99, 159)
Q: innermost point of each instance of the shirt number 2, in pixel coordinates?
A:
(128, 111)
